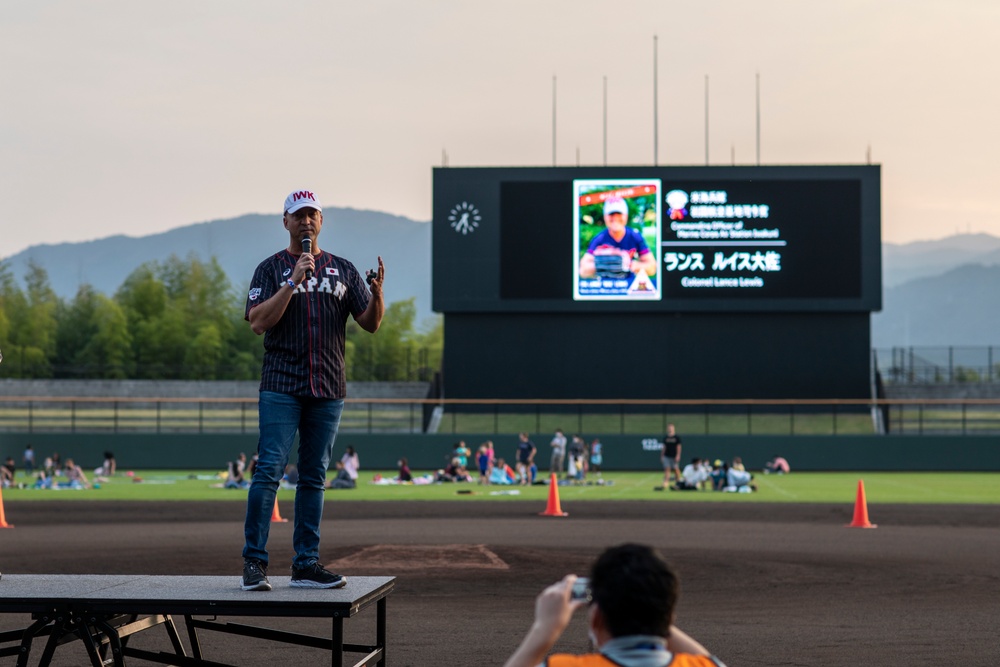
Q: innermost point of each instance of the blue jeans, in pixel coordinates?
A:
(316, 420)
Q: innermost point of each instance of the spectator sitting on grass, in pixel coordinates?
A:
(7, 472)
(42, 480)
(693, 476)
(455, 472)
(739, 481)
(75, 479)
(719, 470)
(404, 474)
(234, 475)
(502, 473)
(343, 479)
(352, 464)
(109, 467)
(777, 465)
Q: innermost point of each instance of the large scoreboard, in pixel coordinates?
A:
(745, 281)
(778, 239)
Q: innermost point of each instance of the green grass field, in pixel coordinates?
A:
(802, 487)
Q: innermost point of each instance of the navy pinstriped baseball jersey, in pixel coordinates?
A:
(608, 253)
(304, 351)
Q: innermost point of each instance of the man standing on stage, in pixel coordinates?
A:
(300, 299)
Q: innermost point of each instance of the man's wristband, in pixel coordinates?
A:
(291, 283)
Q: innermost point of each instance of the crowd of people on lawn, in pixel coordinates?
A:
(704, 474)
(53, 472)
(572, 460)
(240, 471)
(701, 474)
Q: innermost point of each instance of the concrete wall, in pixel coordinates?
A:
(621, 452)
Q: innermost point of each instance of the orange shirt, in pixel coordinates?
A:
(598, 660)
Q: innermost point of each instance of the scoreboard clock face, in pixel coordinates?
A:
(632, 239)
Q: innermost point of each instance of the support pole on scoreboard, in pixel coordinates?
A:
(553, 120)
(656, 113)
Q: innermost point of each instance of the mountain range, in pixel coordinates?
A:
(902, 263)
(935, 293)
(940, 293)
(239, 245)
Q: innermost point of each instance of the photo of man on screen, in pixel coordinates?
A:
(618, 250)
(617, 222)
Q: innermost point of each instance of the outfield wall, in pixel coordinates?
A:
(621, 452)
(193, 389)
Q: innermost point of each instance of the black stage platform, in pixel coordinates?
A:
(103, 611)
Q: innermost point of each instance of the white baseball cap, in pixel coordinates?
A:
(615, 205)
(301, 199)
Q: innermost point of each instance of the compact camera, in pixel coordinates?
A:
(581, 590)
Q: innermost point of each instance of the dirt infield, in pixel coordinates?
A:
(763, 584)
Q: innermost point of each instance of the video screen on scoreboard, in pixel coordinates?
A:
(676, 239)
(750, 240)
(616, 240)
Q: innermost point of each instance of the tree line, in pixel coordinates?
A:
(179, 319)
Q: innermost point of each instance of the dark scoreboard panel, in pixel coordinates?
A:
(708, 239)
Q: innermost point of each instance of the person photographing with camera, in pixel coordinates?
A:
(630, 599)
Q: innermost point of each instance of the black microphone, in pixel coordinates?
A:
(307, 246)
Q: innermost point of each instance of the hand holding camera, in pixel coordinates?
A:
(581, 590)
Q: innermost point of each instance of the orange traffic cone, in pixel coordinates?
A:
(861, 509)
(3, 519)
(276, 515)
(553, 508)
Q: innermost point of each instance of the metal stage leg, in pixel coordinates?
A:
(175, 638)
(117, 656)
(337, 650)
(58, 629)
(86, 634)
(193, 637)
(27, 637)
(380, 629)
